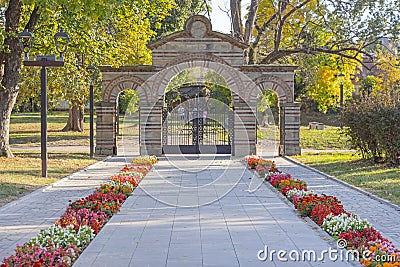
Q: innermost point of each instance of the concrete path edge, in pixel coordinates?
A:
(369, 194)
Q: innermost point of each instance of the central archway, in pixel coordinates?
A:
(197, 114)
(243, 105)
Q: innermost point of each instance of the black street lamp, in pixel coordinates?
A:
(340, 76)
(92, 69)
(26, 40)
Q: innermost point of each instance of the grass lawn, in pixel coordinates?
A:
(329, 138)
(22, 174)
(25, 130)
(381, 180)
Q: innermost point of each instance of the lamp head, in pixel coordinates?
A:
(26, 40)
(61, 39)
(340, 77)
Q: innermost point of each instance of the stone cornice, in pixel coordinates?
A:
(268, 68)
(129, 68)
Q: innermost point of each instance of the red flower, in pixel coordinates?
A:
(320, 211)
(358, 240)
(306, 205)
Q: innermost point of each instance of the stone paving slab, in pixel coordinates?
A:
(166, 223)
(382, 216)
(23, 218)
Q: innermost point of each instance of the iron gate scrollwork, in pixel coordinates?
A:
(197, 127)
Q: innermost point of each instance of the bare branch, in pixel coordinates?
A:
(282, 20)
(276, 55)
(294, 9)
(228, 13)
(257, 38)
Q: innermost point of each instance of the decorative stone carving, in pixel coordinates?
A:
(198, 29)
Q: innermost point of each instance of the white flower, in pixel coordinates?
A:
(336, 225)
(63, 236)
(295, 191)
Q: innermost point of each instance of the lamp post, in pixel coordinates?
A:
(26, 41)
(91, 107)
(340, 76)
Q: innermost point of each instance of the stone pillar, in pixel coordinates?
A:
(244, 137)
(151, 130)
(106, 138)
(290, 143)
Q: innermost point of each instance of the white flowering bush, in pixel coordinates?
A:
(132, 173)
(336, 225)
(63, 237)
(116, 183)
(299, 192)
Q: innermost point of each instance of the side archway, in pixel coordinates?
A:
(106, 111)
(121, 83)
(289, 113)
(274, 83)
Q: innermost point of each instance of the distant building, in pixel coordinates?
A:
(368, 68)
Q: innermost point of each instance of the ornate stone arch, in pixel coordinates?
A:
(274, 83)
(244, 136)
(121, 83)
(234, 82)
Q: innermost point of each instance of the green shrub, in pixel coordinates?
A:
(373, 125)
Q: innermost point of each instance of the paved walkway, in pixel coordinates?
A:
(162, 224)
(22, 219)
(193, 212)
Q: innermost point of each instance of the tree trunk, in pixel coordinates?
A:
(75, 118)
(10, 57)
(236, 17)
(249, 25)
(7, 102)
(251, 19)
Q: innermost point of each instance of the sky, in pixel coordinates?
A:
(219, 19)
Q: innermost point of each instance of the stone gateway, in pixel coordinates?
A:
(198, 46)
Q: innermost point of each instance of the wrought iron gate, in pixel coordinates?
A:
(195, 128)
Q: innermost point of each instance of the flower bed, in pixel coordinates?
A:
(329, 213)
(260, 165)
(62, 243)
